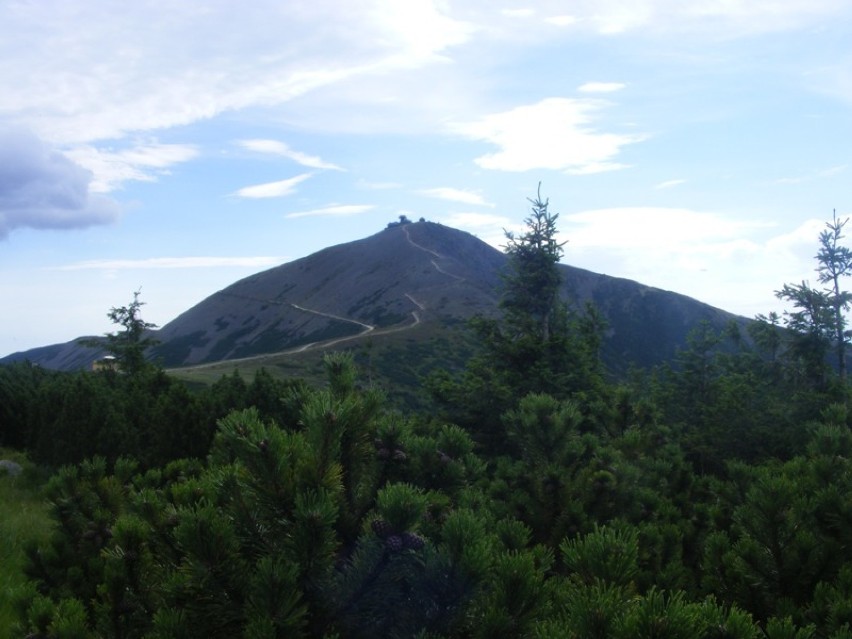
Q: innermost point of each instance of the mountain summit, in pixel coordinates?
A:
(404, 275)
(407, 277)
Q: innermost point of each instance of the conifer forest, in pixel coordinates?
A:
(537, 496)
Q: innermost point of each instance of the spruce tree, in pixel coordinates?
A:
(128, 345)
(818, 321)
(531, 287)
(536, 345)
(835, 263)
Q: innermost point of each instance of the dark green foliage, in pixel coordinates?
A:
(20, 385)
(532, 283)
(64, 418)
(347, 520)
(818, 321)
(537, 345)
(834, 262)
(608, 555)
(709, 499)
(130, 344)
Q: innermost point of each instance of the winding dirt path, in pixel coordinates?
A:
(431, 252)
(366, 328)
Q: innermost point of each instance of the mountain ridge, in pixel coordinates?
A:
(407, 275)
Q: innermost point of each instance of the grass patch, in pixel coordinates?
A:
(24, 516)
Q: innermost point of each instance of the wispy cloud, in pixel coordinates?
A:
(517, 13)
(121, 73)
(816, 175)
(125, 72)
(143, 162)
(174, 263)
(377, 186)
(488, 227)
(456, 195)
(555, 133)
(668, 184)
(562, 20)
(600, 87)
(280, 188)
(733, 19)
(337, 210)
(474, 220)
(276, 147)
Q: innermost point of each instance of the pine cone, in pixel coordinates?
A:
(412, 540)
(382, 528)
(394, 543)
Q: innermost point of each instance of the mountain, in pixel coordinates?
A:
(419, 280)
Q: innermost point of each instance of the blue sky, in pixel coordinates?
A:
(176, 147)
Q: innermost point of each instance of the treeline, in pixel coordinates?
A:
(707, 499)
(65, 418)
(350, 520)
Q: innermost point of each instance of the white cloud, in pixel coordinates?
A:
(711, 18)
(719, 258)
(668, 184)
(42, 189)
(561, 21)
(174, 263)
(337, 210)
(552, 134)
(455, 195)
(517, 13)
(653, 227)
(81, 72)
(473, 220)
(280, 188)
(143, 162)
(488, 227)
(77, 73)
(601, 87)
(419, 28)
(276, 147)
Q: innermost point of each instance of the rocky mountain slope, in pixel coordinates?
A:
(407, 276)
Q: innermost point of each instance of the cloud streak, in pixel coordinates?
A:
(669, 184)
(456, 195)
(133, 70)
(281, 188)
(816, 175)
(337, 210)
(143, 162)
(275, 147)
(174, 263)
(600, 87)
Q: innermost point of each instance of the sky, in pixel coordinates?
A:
(172, 148)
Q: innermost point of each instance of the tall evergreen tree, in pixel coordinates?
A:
(835, 263)
(128, 345)
(531, 289)
(818, 321)
(538, 345)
